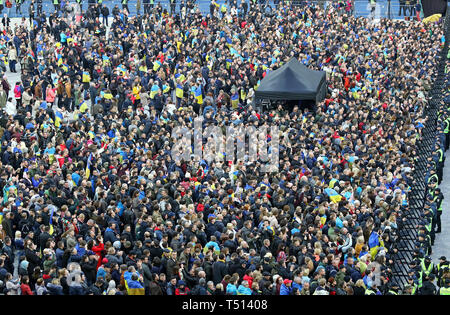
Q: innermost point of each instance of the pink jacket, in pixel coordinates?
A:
(50, 95)
(17, 91)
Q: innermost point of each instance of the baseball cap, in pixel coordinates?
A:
(287, 281)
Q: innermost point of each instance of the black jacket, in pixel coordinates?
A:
(428, 288)
(105, 11)
(220, 270)
(33, 259)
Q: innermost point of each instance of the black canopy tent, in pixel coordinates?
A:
(292, 82)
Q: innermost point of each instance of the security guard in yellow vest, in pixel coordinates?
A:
(394, 289)
(427, 266)
(441, 267)
(412, 285)
(440, 164)
(438, 198)
(424, 241)
(372, 290)
(433, 177)
(447, 132)
(446, 289)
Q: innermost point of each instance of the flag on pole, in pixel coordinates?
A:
(88, 166)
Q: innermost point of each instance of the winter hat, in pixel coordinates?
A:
(117, 244)
(24, 264)
(111, 285)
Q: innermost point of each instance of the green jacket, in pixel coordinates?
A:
(3, 99)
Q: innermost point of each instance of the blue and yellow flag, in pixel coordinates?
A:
(83, 107)
(86, 77)
(334, 196)
(228, 63)
(165, 88)
(198, 95)
(105, 60)
(179, 91)
(189, 61)
(332, 182)
(58, 118)
(88, 166)
(156, 65)
(154, 90)
(234, 100)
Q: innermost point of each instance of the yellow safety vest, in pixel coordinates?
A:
(444, 291)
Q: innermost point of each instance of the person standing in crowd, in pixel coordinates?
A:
(105, 14)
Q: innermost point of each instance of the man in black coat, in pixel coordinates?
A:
(220, 269)
(44, 237)
(428, 288)
(32, 258)
(105, 14)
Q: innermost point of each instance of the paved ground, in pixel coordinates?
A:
(442, 244)
(361, 7)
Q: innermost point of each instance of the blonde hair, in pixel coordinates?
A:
(18, 234)
(360, 283)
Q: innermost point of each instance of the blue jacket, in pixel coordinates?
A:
(231, 289)
(296, 285)
(244, 291)
(110, 235)
(284, 290)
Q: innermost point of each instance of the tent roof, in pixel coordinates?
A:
(293, 81)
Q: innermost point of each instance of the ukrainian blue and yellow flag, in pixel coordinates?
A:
(156, 65)
(234, 100)
(198, 95)
(334, 196)
(228, 63)
(58, 118)
(83, 107)
(154, 90)
(88, 166)
(332, 183)
(105, 60)
(165, 89)
(189, 61)
(179, 91)
(86, 77)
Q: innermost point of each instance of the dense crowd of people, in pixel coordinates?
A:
(93, 202)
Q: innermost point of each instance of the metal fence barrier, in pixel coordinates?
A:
(407, 236)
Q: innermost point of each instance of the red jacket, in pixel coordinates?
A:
(98, 251)
(25, 288)
(249, 280)
(182, 292)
